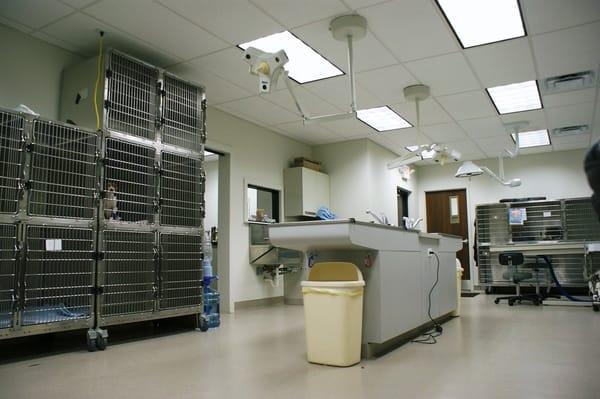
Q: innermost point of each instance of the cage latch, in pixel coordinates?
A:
(157, 203)
(107, 104)
(97, 255)
(97, 290)
(24, 185)
(109, 73)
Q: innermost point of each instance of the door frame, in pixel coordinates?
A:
(467, 285)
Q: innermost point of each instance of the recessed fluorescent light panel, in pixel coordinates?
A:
(382, 119)
(516, 97)
(535, 138)
(481, 22)
(304, 65)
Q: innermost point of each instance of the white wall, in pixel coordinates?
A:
(553, 175)
(360, 180)
(211, 193)
(30, 72)
(257, 156)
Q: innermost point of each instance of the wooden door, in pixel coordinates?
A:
(447, 213)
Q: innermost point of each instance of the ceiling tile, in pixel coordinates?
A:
(495, 63)
(567, 51)
(444, 132)
(369, 53)
(337, 92)
(570, 115)
(470, 105)
(349, 128)
(548, 15)
(356, 4)
(311, 104)
(535, 150)
(57, 42)
(229, 65)
(411, 29)
(78, 3)
(311, 134)
(483, 127)
(536, 119)
(404, 138)
(15, 25)
(82, 30)
(467, 148)
(34, 13)
(234, 21)
(142, 19)
(387, 83)
(292, 13)
(257, 109)
(430, 112)
(380, 139)
(571, 142)
(569, 98)
(494, 146)
(445, 74)
(217, 90)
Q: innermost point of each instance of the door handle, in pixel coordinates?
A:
(465, 241)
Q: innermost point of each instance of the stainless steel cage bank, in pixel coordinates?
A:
(558, 229)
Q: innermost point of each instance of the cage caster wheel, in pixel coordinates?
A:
(101, 342)
(202, 324)
(496, 301)
(91, 345)
(596, 308)
(511, 303)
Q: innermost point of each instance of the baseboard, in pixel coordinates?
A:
(256, 303)
(293, 301)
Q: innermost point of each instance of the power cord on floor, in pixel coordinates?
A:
(430, 336)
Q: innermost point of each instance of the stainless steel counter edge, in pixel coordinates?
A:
(357, 222)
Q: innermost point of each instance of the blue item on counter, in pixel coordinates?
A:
(325, 213)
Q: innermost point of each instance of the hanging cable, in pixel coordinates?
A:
(98, 73)
(430, 336)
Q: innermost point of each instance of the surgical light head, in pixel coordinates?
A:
(468, 169)
(268, 67)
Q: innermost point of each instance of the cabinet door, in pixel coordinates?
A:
(315, 191)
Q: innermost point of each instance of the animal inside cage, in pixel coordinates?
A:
(182, 185)
(63, 171)
(129, 182)
(131, 106)
(59, 274)
(8, 272)
(180, 270)
(182, 113)
(11, 159)
(128, 274)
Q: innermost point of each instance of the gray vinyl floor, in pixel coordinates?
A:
(491, 351)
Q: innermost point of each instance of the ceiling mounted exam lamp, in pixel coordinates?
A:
(269, 66)
(470, 169)
(441, 153)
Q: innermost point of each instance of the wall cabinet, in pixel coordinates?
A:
(305, 191)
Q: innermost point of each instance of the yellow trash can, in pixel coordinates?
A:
(333, 310)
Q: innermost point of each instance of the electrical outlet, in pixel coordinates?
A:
(429, 252)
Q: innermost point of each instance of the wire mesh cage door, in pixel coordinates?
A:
(129, 182)
(63, 171)
(128, 273)
(58, 276)
(182, 114)
(180, 271)
(11, 160)
(182, 190)
(580, 220)
(8, 273)
(131, 96)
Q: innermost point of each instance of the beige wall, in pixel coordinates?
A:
(30, 72)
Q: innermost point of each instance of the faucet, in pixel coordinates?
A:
(381, 219)
(411, 223)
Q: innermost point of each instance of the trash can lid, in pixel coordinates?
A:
(335, 271)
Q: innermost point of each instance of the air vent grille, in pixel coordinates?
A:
(570, 130)
(573, 81)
